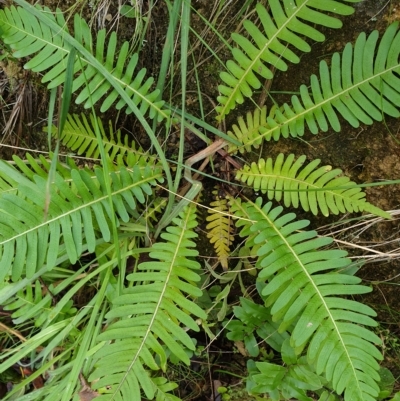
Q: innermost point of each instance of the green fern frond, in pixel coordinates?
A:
(220, 229)
(39, 224)
(245, 131)
(51, 43)
(360, 85)
(152, 313)
(252, 319)
(302, 288)
(285, 24)
(239, 211)
(79, 136)
(307, 186)
(32, 304)
(289, 382)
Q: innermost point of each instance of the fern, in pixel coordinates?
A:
(79, 136)
(254, 319)
(33, 304)
(139, 318)
(34, 229)
(220, 229)
(151, 313)
(358, 91)
(288, 22)
(49, 39)
(290, 382)
(289, 180)
(303, 282)
(245, 131)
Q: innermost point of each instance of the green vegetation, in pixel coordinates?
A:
(120, 233)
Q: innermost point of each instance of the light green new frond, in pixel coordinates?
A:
(79, 136)
(152, 314)
(286, 24)
(49, 44)
(220, 229)
(360, 85)
(303, 282)
(38, 223)
(307, 186)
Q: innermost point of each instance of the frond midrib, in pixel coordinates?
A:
(85, 205)
(320, 296)
(313, 187)
(250, 68)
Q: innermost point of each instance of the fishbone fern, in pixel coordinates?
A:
(310, 187)
(358, 91)
(140, 314)
(302, 283)
(78, 211)
(32, 304)
(150, 315)
(53, 43)
(220, 229)
(281, 27)
(79, 136)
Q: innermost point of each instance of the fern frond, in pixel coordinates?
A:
(245, 131)
(79, 136)
(307, 186)
(287, 23)
(254, 319)
(32, 304)
(360, 85)
(38, 223)
(152, 313)
(220, 229)
(302, 288)
(51, 43)
(289, 382)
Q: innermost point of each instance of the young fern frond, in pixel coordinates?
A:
(286, 24)
(292, 381)
(28, 36)
(307, 186)
(38, 222)
(152, 314)
(79, 136)
(360, 85)
(220, 229)
(252, 319)
(303, 282)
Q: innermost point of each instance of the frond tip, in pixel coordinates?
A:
(307, 186)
